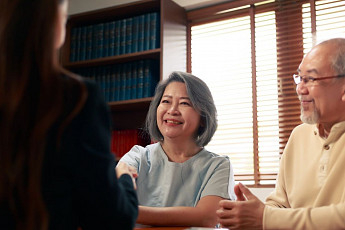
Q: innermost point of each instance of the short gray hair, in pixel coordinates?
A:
(201, 99)
(338, 58)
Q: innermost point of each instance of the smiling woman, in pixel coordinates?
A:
(179, 182)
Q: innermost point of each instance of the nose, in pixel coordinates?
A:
(173, 109)
(301, 88)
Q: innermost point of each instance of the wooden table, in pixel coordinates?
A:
(159, 228)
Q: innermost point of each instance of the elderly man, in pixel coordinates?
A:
(310, 190)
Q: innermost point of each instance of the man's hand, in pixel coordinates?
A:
(245, 213)
(123, 168)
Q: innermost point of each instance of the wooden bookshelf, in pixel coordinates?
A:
(170, 55)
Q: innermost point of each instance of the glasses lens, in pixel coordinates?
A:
(297, 79)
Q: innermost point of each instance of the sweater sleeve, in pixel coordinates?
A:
(326, 217)
(101, 200)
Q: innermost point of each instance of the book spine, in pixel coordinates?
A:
(129, 82)
(100, 40)
(91, 42)
(140, 84)
(83, 48)
(106, 40)
(135, 32)
(117, 37)
(134, 80)
(141, 32)
(147, 78)
(147, 32)
(78, 44)
(113, 83)
(154, 30)
(73, 46)
(129, 35)
(118, 83)
(123, 82)
(111, 51)
(123, 37)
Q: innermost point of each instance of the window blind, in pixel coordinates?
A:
(247, 53)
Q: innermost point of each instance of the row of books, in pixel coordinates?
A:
(123, 140)
(132, 80)
(117, 37)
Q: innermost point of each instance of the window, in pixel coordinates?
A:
(247, 55)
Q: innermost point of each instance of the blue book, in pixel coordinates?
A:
(128, 92)
(135, 34)
(123, 82)
(117, 37)
(147, 78)
(123, 42)
(103, 79)
(73, 45)
(90, 42)
(141, 32)
(129, 25)
(118, 83)
(134, 80)
(147, 32)
(99, 40)
(113, 83)
(106, 39)
(108, 86)
(83, 45)
(140, 84)
(78, 44)
(111, 51)
(154, 30)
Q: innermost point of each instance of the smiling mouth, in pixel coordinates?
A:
(173, 122)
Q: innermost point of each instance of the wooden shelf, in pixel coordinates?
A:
(170, 56)
(148, 54)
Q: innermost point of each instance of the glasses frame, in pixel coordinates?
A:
(298, 79)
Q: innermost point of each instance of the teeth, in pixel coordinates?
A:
(173, 122)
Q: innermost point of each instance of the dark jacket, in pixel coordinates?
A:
(79, 184)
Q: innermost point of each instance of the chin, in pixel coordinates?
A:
(310, 119)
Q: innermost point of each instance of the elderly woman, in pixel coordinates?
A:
(179, 182)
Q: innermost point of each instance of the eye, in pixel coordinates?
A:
(164, 101)
(185, 103)
(311, 79)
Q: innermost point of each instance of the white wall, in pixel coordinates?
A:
(79, 6)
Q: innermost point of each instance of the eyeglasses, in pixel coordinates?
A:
(310, 80)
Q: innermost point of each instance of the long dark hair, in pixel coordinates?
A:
(32, 92)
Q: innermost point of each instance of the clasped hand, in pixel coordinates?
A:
(244, 213)
(123, 168)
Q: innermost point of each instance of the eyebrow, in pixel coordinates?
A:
(309, 71)
(180, 97)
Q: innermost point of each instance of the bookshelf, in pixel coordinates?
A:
(168, 55)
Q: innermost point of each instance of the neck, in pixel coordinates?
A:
(180, 152)
(324, 130)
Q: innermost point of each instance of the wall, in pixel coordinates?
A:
(79, 6)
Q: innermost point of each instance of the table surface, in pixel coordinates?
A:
(159, 228)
